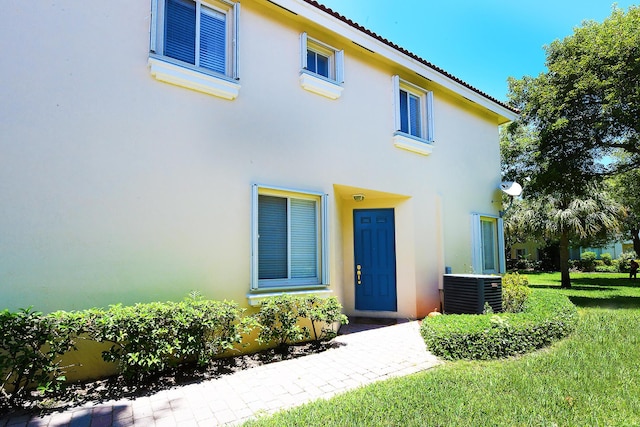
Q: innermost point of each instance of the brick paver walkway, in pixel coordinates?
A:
(359, 358)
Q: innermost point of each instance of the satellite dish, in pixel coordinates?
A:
(511, 188)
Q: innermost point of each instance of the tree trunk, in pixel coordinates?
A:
(564, 260)
(636, 241)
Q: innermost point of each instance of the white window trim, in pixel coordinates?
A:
(403, 140)
(316, 84)
(329, 87)
(411, 143)
(258, 189)
(168, 71)
(189, 76)
(476, 243)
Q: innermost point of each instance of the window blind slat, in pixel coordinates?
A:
(404, 112)
(414, 115)
(213, 41)
(180, 32)
(304, 239)
(272, 241)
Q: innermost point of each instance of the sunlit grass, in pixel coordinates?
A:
(589, 379)
(605, 290)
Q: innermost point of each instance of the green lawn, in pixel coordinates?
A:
(604, 290)
(589, 379)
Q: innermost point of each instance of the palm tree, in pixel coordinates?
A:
(565, 219)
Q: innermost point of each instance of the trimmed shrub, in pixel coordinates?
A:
(515, 292)
(547, 317)
(606, 268)
(587, 260)
(624, 259)
(149, 338)
(323, 314)
(30, 346)
(606, 259)
(279, 319)
(523, 264)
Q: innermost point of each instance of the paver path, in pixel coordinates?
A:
(358, 358)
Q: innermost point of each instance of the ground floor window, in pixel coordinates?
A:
(488, 244)
(288, 239)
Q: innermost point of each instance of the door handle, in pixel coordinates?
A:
(359, 273)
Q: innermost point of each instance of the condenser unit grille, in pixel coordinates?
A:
(467, 294)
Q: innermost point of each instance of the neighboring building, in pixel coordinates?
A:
(153, 147)
(614, 249)
(533, 251)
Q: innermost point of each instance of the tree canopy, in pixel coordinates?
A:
(586, 107)
(579, 124)
(625, 189)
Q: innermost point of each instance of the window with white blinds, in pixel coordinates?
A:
(289, 238)
(196, 33)
(414, 110)
(195, 44)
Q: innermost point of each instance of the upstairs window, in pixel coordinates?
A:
(413, 117)
(322, 67)
(193, 42)
(196, 34)
(318, 61)
(321, 59)
(410, 114)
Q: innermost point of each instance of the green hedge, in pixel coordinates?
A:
(30, 346)
(147, 339)
(547, 317)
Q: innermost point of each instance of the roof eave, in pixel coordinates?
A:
(347, 28)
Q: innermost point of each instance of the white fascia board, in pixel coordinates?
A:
(345, 30)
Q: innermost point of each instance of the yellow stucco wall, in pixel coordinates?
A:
(116, 187)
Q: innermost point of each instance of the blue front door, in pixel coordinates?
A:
(375, 259)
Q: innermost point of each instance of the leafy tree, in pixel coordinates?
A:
(625, 189)
(578, 114)
(518, 147)
(586, 106)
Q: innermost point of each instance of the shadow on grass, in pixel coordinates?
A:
(598, 291)
(613, 302)
(599, 282)
(575, 287)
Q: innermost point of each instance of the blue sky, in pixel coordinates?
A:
(479, 41)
